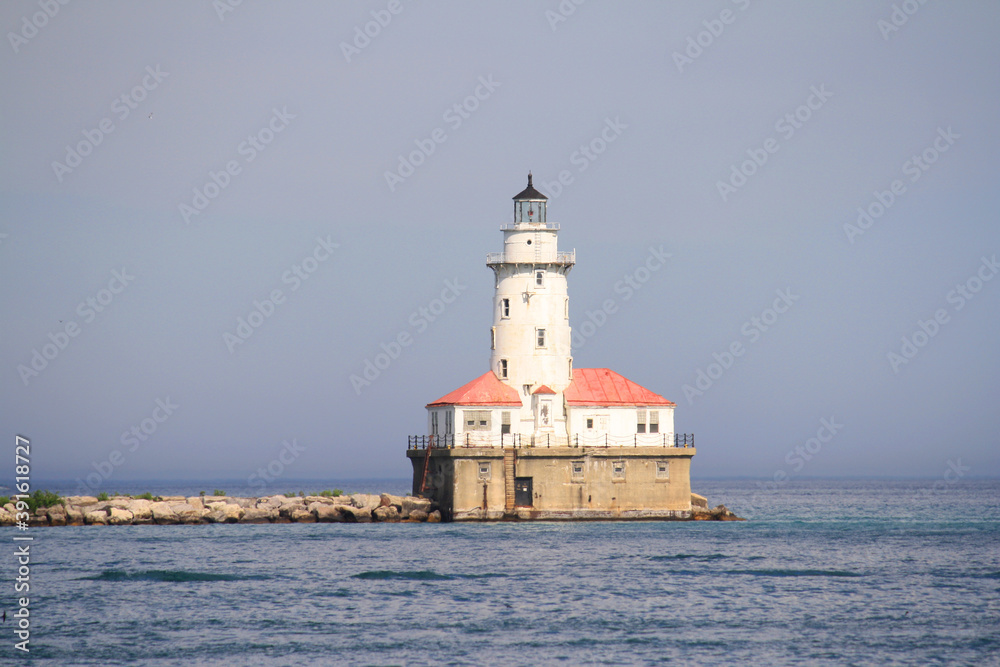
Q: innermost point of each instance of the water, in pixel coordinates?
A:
(836, 572)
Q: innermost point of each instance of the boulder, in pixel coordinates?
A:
(366, 500)
(418, 515)
(98, 518)
(119, 517)
(245, 503)
(163, 513)
(272, 501)
(79, 500)
(253, 515)
(353, 514)
(434, 517)
(56, 515)
(386, 513)
(411, 503)
(74, 517)
(185, 513)
(302, 515)
(174, 499)
(10, 507)
(326, 513)
(6, 518)
(309, 500)
(388, 499)
(141, 511)
(287, 509)
(699, 501)
(196, 501)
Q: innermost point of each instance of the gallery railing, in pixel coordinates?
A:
(516, 440)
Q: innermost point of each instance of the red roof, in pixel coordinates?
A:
(484, 390)
(544, 389)
(602, 386)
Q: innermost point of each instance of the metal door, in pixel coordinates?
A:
(522, 492)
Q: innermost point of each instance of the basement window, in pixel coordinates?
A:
(662, 470)
(577, 467)
(484, 470)
(618, 470)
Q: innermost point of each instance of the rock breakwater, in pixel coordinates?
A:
(172, 510)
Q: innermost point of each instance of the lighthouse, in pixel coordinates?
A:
(530, 337)
(534, 437)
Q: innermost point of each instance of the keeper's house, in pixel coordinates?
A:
(533, 437)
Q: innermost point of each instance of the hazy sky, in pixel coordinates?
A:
(170, 167)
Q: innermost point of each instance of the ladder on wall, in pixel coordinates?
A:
(427, 464)
(508, 479)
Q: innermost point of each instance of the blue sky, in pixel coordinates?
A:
(183, 166)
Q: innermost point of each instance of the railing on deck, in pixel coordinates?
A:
(568, 257)
(603, 440)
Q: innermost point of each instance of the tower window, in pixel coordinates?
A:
(527, 389)
(502, 369)
(539, 278)
(566, 308)
(571, 368)
(493, 338)
(540, 337)
(504, 307)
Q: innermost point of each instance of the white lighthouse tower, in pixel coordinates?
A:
(533, 437)
(530, 336)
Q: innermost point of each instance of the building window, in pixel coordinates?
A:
(477, 420)
(617, 470)
(640, 421)
(577, 469)
(654, 421)
(590, 422)
(484, 470)
(449, 419)
(662, 470)
(504, 307)
(493, 338)
(434, 422)
(504, 422)
(539, 278)
(527, 389)
(502, 369)
(539, 337)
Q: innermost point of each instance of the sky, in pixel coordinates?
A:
(214, 214)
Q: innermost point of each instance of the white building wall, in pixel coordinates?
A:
(620, 425)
